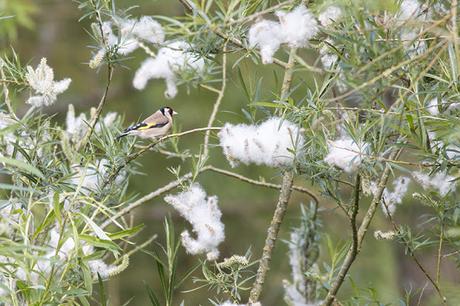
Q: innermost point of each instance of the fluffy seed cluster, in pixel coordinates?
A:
(77, 126)
(274, 142)
(131, 34)
(411, 10)
(395, 197)
(346, 154)
(434, 105)
(235, 260)
(294, 28)
(204, 215)
(170, 60)
(41, 80)
(89, 178)
(379, 235)
(441, 181)
(294, 291)
(330, 15)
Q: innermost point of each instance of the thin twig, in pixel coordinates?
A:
(220, 96)
(135, 155)
(386, 73)
(84, 140)
(352, 251)
(260, 13)
(262, 183)
(414, 258)
(178, 182)
(439, 256)
(272, 236)
(146, 198)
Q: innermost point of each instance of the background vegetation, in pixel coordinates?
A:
(53, 29)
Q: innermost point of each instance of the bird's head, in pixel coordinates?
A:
(167, 111)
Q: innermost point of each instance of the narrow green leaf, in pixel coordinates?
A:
(97, 230)
(22, 165)
(125, 233)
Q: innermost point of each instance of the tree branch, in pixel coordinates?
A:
(262, 183)
(220, 96)
(283, 199)
(359, 236)
(272, 236)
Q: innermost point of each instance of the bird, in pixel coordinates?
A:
(154, 126)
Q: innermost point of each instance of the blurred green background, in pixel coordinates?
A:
(51, 29)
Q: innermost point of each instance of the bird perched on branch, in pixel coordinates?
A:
(155, 126)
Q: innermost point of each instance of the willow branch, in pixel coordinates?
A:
(281, 206)
(358, 239)
(220, 96)
(94, 119)
(411, 252)
(272, 236)
(262, 183)
(146, 198)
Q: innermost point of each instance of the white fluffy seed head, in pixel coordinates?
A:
(441, 181)
(330, 15)
(41, 80)
(275, 142)
(169, 61)
(346, 154)
(267, 36)
(297, 26)
(204, 215)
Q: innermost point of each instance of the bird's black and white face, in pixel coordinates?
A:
(168, 111)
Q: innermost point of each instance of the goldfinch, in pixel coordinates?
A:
(155, 126)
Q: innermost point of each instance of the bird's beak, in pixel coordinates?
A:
(175, 113)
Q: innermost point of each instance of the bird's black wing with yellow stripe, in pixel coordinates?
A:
(142, 126)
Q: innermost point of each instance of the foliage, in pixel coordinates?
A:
(378, 103)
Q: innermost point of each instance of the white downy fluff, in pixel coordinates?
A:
(267, 36)
(77, 126)
(409, 9)
(270, 143)
(295, 28)
(346, 154)
(170, 60)
(440, 181)
(294, 291)
(134, 31)
(204, 215)
(328, 59)
(91, 176)
(392, 198)
(433, 106)
(131, 33)
(330, 15)
(41, 80)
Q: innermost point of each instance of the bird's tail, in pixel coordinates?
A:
(121, 136)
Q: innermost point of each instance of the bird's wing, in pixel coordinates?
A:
(154, 121)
